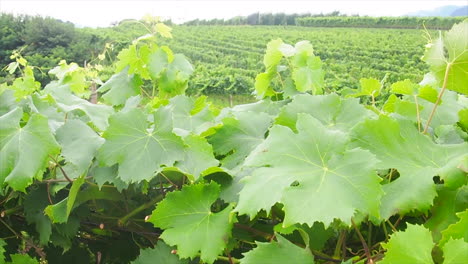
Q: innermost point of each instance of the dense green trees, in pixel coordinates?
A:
(44, 41)
(380, 22)
(333, 19)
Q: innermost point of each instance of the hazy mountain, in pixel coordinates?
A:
(443, 11)
(462, 11)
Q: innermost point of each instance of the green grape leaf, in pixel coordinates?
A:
(120, 87)
(72, 75)
(79, 144)
(23, 259)
(25, 85)
(263, 85)
(185, 122)
(309, 77)
(393, 142)
(404, 87)
(447, 203)
(34, 204)
(139, 150)
(428, 93)
(186, 217)
(2, 250)
(198, 157)
(67, 102)
(159, 254)
(273, 55)
(447, 111)
(455, 251)
(45, 106)
(369, 87)
(239, 135)
(163, 30)
(26, 150)
(60, 212)
(331, 110)
(282, 251)
(407, 87)
(414, 245)
(463, 119)
(136, 59)
(311, 169)
(456, 230)
(455, 67)
(101, 175)
(7, 101)
(174, 80)
(158, 62)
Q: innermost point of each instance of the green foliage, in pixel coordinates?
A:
(414, 245)
(297, 177)
(450, 71)
(279, 252)
(160, 254)
(304, 68)
(379, 22)
(186, 217)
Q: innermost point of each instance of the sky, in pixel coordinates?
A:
(101, 13)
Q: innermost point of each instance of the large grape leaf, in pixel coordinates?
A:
(447, 111)
(189, 115)
(455, 42)
(139, 150)
(24, 150)
(457, 230)
(198, 157)
(67, 102)
(414, 245)
(447, 203)
(45, 106)
(399, 145)
(331, 110)
(7, 101)
(310, 172)
(159, 254)
(79, 144)
(34, 204)
(101, 175)
(239, 135)
(279, 252)
(60, 211)
(455, 251)
(189, 223)
(23, 259)
(2, 250)
(120, 87)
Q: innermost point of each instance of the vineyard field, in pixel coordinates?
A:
(227, 58)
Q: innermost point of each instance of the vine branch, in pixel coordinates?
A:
(439, 98)
(364, 244)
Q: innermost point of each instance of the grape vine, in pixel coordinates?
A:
(301, 176)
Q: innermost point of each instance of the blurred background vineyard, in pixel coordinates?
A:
(227, 54)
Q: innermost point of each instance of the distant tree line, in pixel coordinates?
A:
(44, 41)
(262, 19)
(380, 22)
(333, 19)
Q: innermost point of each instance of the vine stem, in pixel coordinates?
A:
(444, 86)
(364, 244)
(61, 169)
(418, 115)
(265, 235)
(230, 260)
(124, 219)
